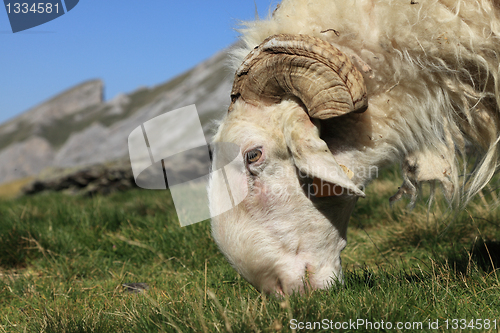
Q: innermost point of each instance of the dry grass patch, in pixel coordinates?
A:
(13, 189)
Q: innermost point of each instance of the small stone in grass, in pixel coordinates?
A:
(135, 287)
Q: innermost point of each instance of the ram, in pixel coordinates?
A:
(327, 91)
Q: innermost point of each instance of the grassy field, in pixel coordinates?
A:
(64, 260)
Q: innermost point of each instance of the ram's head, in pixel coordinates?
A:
(288, 232)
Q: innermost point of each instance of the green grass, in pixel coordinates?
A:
(63, 261)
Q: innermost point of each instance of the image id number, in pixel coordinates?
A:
(36, 8)
(463, 324)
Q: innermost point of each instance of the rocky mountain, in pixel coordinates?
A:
(77, 128)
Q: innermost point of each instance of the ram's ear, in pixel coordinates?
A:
(313, 158)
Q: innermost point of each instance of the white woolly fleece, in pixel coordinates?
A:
(432, 74)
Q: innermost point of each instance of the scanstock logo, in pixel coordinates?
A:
(26, 14)
(170, 151)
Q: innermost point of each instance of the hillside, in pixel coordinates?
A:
(77, 128)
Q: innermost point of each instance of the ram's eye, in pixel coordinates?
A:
(253, 156)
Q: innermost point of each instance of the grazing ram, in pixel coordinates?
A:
(327, 90)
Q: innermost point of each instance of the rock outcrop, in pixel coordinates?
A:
(27, 158)
(97, 179)
(77, 130)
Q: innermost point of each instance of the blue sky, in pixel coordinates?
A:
(127, 44)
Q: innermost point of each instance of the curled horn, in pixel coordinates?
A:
(317, 73)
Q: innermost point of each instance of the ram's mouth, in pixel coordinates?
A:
(279, 289)
(301, 286)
